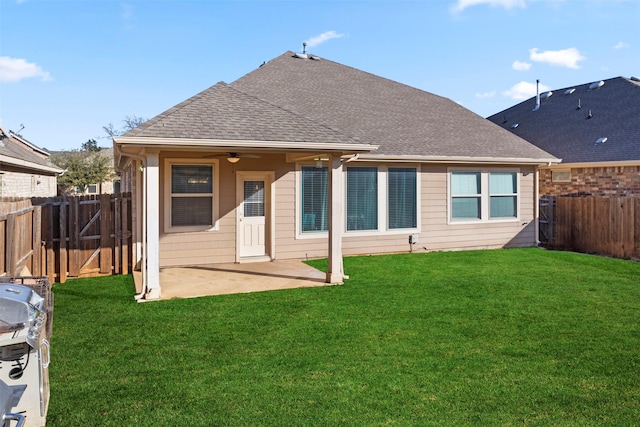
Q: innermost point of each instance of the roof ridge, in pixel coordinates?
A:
(296, 113)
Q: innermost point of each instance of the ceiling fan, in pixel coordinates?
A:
(234, 157)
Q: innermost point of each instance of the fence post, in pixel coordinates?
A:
(63, 240)
(36, 225)
(125, 235)
(11, 245)
(50, 252)
(105, 234)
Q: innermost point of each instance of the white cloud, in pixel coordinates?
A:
(127, 12)
(563, 58)
(507, 4)
(317, 40)
(621, 45)
(486, 94)
(16, 69)
(520, 66)
(524, 90)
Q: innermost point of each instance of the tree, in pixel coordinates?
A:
(130, 122)
(91, 146)
(82, 168)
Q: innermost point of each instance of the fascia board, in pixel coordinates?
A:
(457, 159)
(27, 164)
(593, 164)
(185, 143)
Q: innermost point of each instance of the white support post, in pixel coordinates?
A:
(152, 192)
(335, 272)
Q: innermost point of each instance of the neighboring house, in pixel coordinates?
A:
(305, 157)
(108, 186)
(594, 128)
(25, 169)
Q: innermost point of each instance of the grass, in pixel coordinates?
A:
(500, 337)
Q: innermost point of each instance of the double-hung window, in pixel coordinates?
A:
(503, 192)
(190, 190)
(483, 195)
(466, 196)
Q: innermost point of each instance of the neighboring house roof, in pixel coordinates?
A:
(315, 100)
(569, 123)
(17, 151)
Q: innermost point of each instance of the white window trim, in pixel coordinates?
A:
(167, 195)
(485, 196)
(383, 224)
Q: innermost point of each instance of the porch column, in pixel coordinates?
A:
(152, 192)
(335, 272)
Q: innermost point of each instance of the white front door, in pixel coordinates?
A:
(252, 208)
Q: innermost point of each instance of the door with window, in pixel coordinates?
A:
(253, 202)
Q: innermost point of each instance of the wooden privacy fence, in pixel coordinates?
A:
(66, 236)
(599, 225)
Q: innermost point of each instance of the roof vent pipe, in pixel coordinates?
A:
(537, 95)
(304, 48)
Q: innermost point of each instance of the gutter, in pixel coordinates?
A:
(592, 164)
(185, 143)
(457, 159)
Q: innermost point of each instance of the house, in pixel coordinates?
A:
(25, 169)
(305, 157)
(111, 183)
(594, 128)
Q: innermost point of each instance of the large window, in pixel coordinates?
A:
(377, 199)
(483, 195)
(362, 198)
(191, 195)
(402, 198)
(315, 199)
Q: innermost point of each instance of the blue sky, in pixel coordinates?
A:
(67, 68)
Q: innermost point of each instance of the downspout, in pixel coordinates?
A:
(536, 211)
(143, 254)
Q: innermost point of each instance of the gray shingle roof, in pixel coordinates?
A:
(566, 131)
(293, 99)
(225, 113)
(17, 148)
(401, 119)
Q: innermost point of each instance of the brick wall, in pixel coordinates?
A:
(596, 181)
(18, 184)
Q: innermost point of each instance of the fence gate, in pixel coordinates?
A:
(546, 221)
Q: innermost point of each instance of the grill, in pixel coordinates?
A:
(26, 322)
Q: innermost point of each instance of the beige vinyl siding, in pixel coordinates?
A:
(207, 247)
(436, 233)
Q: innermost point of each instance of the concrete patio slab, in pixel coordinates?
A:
(222, 279)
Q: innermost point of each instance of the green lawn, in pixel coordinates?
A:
(499, 337)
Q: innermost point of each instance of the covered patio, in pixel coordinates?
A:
(222, 279)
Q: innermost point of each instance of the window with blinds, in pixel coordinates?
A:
(401, 198)
(362, 198)
(191, 195)
(315, 199)
(253, 198)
